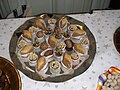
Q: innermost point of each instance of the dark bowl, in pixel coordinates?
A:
(11, 73)
(116, 39)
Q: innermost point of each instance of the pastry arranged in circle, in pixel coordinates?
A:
(27, 35)
(52, 48)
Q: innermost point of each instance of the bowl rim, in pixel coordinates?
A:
(18, 75)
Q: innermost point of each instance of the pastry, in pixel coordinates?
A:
(58, 36)
(74, 56)
(41, 63)
(61, 45)
(79, 48)
(78, 32)
(48, 32)
(57, 30)
(75, 59)
(33, 57)
(63, 22)
(55, 67)
(40, 24)
(66, 34)
(67, 60)
(79, 27)
(52, 21)
(26, 49)
(39, 34)
(36, 44)
(43, 46)
(69, 44)
(48, 52)
(27, 34)
(52, 41)
(58, 52)
(84, 41)
(21, 43)
(32, 29)
(72, 27)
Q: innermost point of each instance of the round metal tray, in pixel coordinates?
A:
(80, 70)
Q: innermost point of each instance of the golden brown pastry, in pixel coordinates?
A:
(43, 46)
(78, 32)
(67, 60)
(52, 41)
(40, 24)
(41, 63)
(79, 48)
(39, 34)
(69, 43)
(48, 52)
(57, 30)
(74, 56)
(63, 22)
(32, 29)
(26, 49)
(72, 27)
(27, 34)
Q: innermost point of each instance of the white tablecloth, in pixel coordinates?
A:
(101, 23)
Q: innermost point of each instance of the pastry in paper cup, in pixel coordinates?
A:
(55, 67)
(58, 54)
(75, 58)
(72, 28)
(40, 23)
(81, 50)
(32, 29)
(69, 45)
(66, 35)
(40, 36)
(66, 62)
(58, 36)
(52, 23)
(77, 34)
(43, 45)
(63, 24)
(41, 67)
(85, 42)
(27, 36)
(57, 30)
(21, 43)
(48, 54)
(61, 46)
(52, 41)
(24, 52)
(33, 57)
(36, 46)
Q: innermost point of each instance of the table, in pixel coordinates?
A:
(102, 24)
